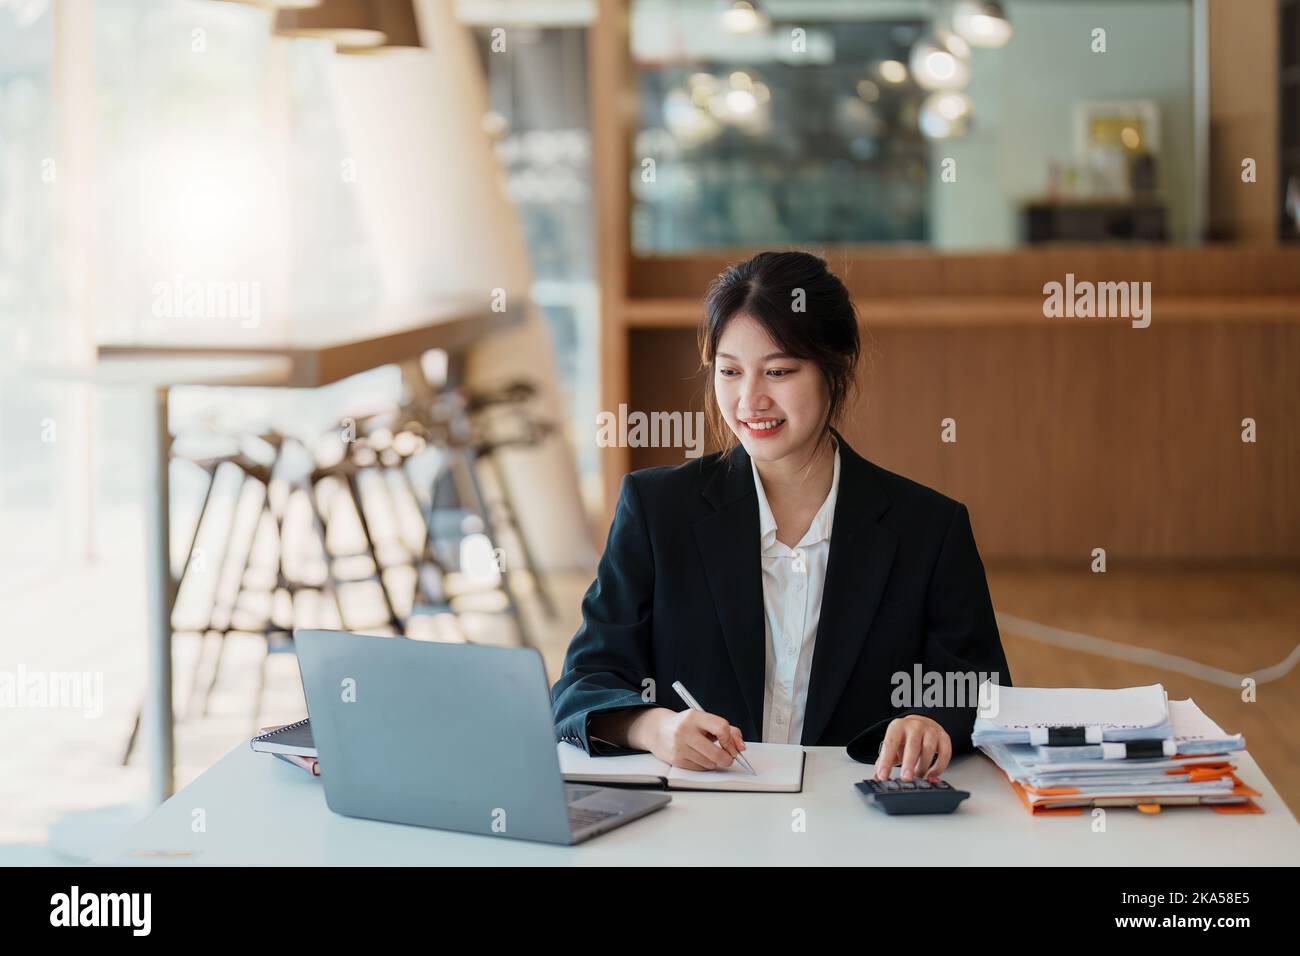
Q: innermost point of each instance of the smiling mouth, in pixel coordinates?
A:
(763, 427)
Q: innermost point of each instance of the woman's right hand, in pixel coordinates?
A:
(690, 739)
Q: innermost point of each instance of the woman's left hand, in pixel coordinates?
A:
(914, 741)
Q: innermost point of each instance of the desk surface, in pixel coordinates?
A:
(262, 811)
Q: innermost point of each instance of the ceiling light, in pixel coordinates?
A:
(743, 16)
(982, 22)
(945, 114)
(941, 61)
(892, 71)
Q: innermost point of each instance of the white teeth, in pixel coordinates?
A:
(764, 426)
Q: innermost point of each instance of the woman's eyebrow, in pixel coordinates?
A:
(765, 358)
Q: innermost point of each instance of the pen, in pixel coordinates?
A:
(694, 704)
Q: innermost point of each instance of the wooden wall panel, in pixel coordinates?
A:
(1069, 437)
(609, 110)
(1243, 119)
(1067, 434)
(875, 273)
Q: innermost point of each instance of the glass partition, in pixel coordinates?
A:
(955, 125)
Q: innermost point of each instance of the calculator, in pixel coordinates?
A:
(897, 797)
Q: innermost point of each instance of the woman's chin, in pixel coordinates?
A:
(767, 449)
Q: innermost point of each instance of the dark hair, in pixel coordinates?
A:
(824, 330)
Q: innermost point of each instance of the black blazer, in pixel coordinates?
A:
(678, 595)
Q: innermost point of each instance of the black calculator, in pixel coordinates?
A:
(897, 797)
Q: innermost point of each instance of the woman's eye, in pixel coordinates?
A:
(727, 372)
(780, 372)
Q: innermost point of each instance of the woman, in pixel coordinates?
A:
(786, 582)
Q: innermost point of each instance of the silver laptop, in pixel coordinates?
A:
(453, 736)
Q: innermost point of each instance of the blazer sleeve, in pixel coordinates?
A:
(961, 635)
(610, 656)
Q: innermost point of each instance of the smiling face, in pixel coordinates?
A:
(774, 403)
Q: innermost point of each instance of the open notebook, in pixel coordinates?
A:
(779, 769)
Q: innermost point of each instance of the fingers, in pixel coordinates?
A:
(929, 747)
(697, 740)
(944, 757)
(889, 751)
(920, 745)
(726, 737)
(693, 751)
(703, 750)
(911, 751)
(704, 741)
(721, 731)
(688, 764)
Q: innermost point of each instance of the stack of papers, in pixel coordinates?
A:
(1067, 748)
(1042, 715)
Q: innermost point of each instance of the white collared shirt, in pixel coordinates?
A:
(792, 602)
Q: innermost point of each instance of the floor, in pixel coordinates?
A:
(1212, 626)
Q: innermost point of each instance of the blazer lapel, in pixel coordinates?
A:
(728, 542)
(861, 553)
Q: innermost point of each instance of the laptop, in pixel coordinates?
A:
(451, 736)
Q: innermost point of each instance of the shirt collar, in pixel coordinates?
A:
(822, 522)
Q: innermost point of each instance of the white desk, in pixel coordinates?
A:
(262, 811)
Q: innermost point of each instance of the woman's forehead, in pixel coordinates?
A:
(745, 337)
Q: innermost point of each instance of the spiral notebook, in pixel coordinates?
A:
(290, 739)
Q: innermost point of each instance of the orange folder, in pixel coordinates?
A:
(1154, 805)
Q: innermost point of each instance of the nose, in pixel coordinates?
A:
(753, 395)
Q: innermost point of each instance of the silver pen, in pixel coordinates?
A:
(694, 704)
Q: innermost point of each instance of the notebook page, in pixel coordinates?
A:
(577, 763)
(779, 768)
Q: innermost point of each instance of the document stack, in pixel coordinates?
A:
(1065, 749)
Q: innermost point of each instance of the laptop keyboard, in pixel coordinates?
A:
(580, 818)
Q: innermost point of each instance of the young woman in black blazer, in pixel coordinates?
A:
(786, 581)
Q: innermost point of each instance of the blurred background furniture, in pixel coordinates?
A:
(299, 358)
(1094, 222)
